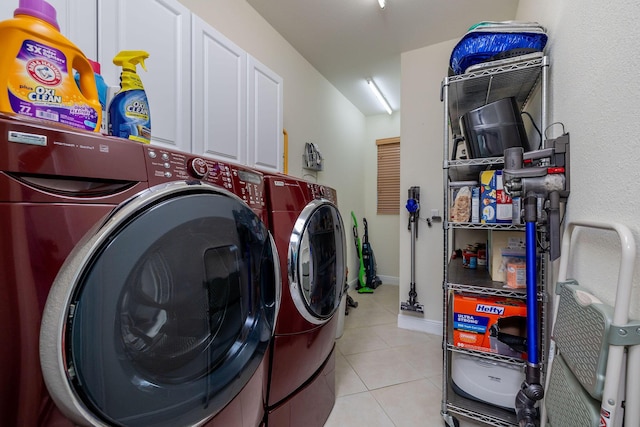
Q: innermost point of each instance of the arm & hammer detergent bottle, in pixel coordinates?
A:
(36, 70)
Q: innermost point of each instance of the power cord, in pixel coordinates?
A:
(553, 124)
(535, 126)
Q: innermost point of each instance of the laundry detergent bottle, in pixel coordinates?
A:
(129, 115)
(37, 66)
(102, 87)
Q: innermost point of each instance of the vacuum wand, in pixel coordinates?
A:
(413, 206)
(531, 390)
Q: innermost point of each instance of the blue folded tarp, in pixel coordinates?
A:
(487, 39)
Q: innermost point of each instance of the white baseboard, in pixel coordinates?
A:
(390, 280)
(413, 323)
(408, 321)
(386, 280)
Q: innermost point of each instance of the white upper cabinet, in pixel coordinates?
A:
(206, 95)
(265, 123)
(237, 103)
(77, 19)
(219, 119)
(163, 29)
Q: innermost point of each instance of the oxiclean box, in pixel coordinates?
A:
(495, 204)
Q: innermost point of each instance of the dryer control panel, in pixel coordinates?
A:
(164, 165)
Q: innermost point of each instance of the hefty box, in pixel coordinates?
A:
(495, 204)
(479, 322)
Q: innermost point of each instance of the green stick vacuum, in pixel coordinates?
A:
(362, 287)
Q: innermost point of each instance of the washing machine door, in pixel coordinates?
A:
(163, 314)
(316, 261)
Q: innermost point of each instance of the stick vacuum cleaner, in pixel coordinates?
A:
(413, 206)
(361, 287)
(546, 178)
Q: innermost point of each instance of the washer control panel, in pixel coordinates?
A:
(317, 191)
(164, 165)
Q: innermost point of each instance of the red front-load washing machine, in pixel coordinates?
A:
(135, 291)
(310, 238)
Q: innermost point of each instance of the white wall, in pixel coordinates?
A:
(421, 164)
(314, 110)
(595, 89)
(383, 230)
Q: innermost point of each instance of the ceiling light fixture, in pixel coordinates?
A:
(382, 3)
(378, 95)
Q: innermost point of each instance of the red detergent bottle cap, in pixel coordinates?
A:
(38, 9)
(95, 66)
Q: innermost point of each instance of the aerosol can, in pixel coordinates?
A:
(129, 115)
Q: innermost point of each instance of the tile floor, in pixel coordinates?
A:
(386, 376)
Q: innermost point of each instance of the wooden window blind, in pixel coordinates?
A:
(388, 175)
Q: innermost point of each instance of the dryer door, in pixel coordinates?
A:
(316, 261)
(164, 312)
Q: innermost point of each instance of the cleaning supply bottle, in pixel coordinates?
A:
(36, 70)
(102, 92)
(129, 109)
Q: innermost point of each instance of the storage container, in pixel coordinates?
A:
(492, 128)
(485, 380)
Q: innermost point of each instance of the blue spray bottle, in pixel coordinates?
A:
(129, 115)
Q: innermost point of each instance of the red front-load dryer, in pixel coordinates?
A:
(310, 238)
(132, 292)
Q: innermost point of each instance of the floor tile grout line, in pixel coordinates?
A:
(377, 332)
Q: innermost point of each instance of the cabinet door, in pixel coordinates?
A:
(77, 20)
(219, 95)
(265, 117)
(163, 29)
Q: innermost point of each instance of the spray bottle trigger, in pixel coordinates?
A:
(128, 59)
